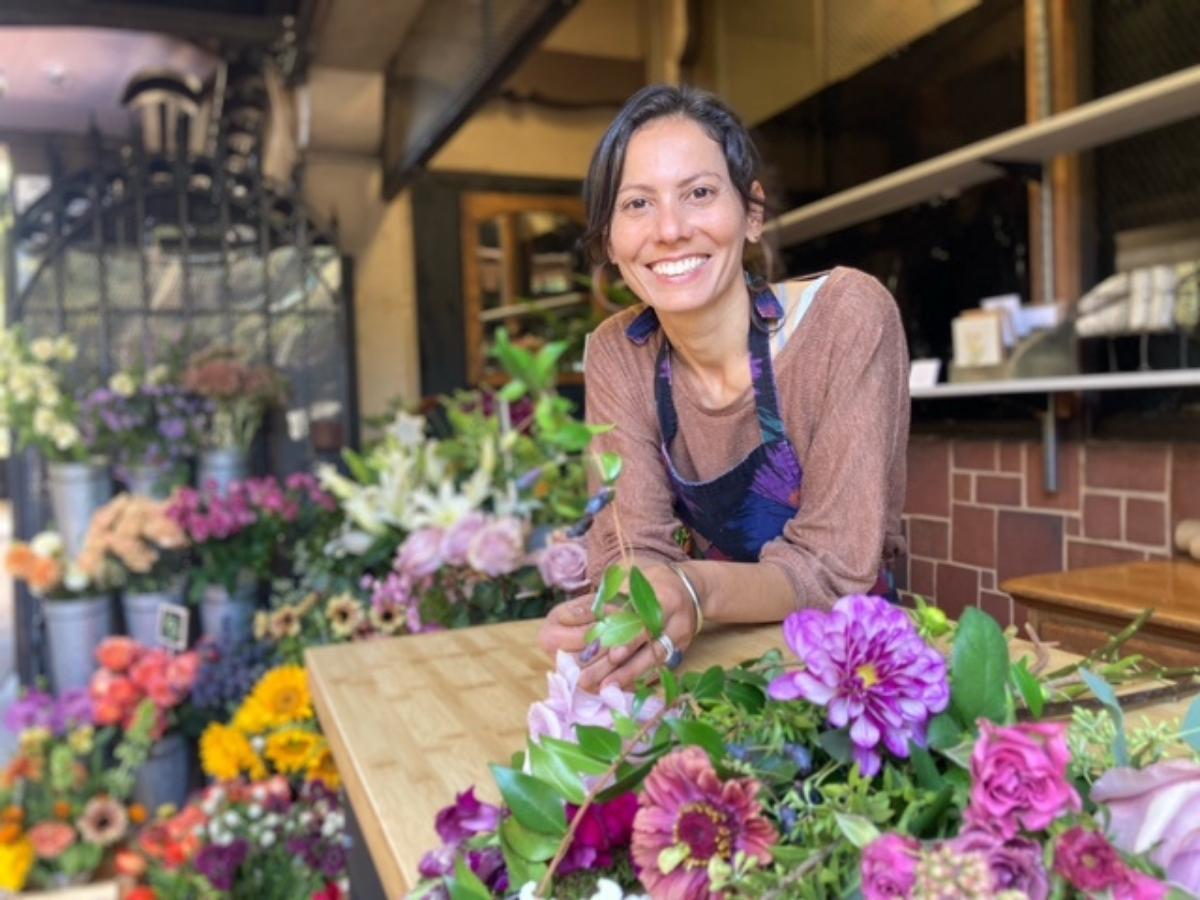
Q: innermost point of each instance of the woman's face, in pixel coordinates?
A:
(678, 226)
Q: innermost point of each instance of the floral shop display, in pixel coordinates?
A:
(879, 757)
(130, 674)
(239, 396)
(78, 612)
(147, 425)
(64, 797)
(133, 545)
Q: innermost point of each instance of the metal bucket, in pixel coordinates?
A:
(222, 465)
(165, 776)
(154, 481)
(77, 490)
(74, 628)
(141, 613)
(228, 617)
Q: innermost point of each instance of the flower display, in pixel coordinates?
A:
(132, 541)
(35, 404)
(56, 715)
(43, 565)
(1014, 863)
(865, 662)
(889, 867)
(455, 825)
(130, 673)
(239, 395)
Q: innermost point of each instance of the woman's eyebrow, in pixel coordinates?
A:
(684, 183)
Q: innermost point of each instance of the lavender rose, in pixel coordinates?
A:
(563, 565)
(498, 548)
(421, 554)
(889, 867)
(1015, 864)
(457, 538)
(1019, 776)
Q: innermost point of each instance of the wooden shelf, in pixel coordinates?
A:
(1153, 104)
(1115, 381)
(531, 307)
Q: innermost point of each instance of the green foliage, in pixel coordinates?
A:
(979, 670)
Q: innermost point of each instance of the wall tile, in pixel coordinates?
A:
(1146, 521)
(1082, 555)
(921, 577)
(975, 455)
(900, 572)
(957, 588)
(1127, 467)
(1074, 528)
(1010, 456)
(1185, 483)
(1067, 495)
(928, 478)
(997, 605)
(998, 490)
(1102, 517)
(973, 535)
(1028, 544)
(929, 537)
(962, 486)
(987, 579)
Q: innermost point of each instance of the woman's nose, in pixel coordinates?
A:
(672, 224)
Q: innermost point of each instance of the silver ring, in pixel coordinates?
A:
(673, 655)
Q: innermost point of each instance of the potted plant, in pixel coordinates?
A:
(133, 544)
(39, 412)
(78, 611)
(64, 796)
(131, 673)
(239, 395)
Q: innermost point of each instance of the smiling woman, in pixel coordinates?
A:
(763, 426)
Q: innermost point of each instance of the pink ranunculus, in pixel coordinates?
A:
(1087, 860)
(182, 671)
(889, 867)
(457, 538)
(150, 669)
(117, 653)
(421, 553)
(498, 548)
(563, 565)
(51, 840)
(1019, 777)
(1157, 810)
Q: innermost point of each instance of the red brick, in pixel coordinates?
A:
(1028, 544)
(920, 577)
(1082, 555)
(962, 486)
(1129, 467)
(998, 606)
(1102, 517)
(1010, 456)
(1067, 495)
(928, 478)
(1145, 521)
(957, 588)
(973, 535)
(1074, 528)
(1020, 615)
(998, 490)
(929, 537)
(975, 455)
(1185, 482)
(987, 579)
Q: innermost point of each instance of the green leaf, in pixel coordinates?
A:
(553, 770)
(979, 670)
(536, 804)
(858, 830)
(619, 628)
(359, 470)
(514, 391)
(924, 823)
(625, 726)
(599, 742)
(610, 586)
(465, 885)
(520, 869)
(690, 731)
(960, 754)
(628, 778)
(528, 844)
(944, 731)
(645, 603)
(928, 776)
(1191, 725)
(610, 465)
(747, 696)
(710, 684)
(1104, 693)
(670, 686)
(790, 856)
(1029, 687)
(837, 745)
(574, 756)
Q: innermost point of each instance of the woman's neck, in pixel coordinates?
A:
(711, 343)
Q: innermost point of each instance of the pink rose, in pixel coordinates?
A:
(458, 536)
(1015, 864)
(889, 867)
(117, 653)
(1019, 777)
(182, 669)
(498, 548)
(1157, 809)
(421, 554)
(51, 840)
(563, 565)
(150, 669)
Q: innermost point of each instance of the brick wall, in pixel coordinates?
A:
(976, 513)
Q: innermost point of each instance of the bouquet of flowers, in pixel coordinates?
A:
(130, 674)
(33, 402)
(876, 762)
(63, 810)
(131, 542)
(239, 395)
(274, 731)
(42, 564)
(229, 670)
(261, 839)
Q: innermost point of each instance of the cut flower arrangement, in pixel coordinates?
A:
(239, 395)
(887, 754)
(35, 405)
(133, 543)
(43, 565)
(131, 674)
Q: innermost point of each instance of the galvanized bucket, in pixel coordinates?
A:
(222, 465)
(74, 628)
(141, 613)
(165, 775)
(149, 480)
(223, 616)
(77, 490)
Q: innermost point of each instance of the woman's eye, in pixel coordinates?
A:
(637, 203)
(702, 193)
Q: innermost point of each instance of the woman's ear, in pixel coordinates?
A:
(754, 213)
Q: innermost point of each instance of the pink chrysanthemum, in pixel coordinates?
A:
(866, 663)
(688, 816)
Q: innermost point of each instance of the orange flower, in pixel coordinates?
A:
(12, 814)
(137, 814)
(129, 864)
(23, 768)
(62, 809)
(51, 839)
(141, 892)
(117, 653)
(10, 833)
(44, 574)
(19, 561)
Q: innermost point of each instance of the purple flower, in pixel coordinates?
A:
(488, 866)
(563, 565)
(889, 867)
(457, 538)
(439, 862)
(498, 548)
(865, 662)
(35, 709)
(1015, 863)
(604, 829)
(220, 864)
(465, 818)
(74, 708)
(421, 553)
(333, 861)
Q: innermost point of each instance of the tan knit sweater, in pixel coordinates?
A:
(843, 394)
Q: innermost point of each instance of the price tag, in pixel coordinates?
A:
(173, 626)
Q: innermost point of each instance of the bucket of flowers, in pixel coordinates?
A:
(130, 675)
(64, 797)
(78, 611)
(132, 544)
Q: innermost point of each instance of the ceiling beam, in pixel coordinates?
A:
(195, 24)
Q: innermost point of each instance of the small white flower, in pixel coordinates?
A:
(74, 579)
(529, 891)
(122, 383)
(267, 839)
(254, 811)
(44, 421)
(305, 819)
(232, 819)
(21, 385)
(158, 374)
(42, 349)
(271, 820)
(259, 743)
(47, 543)
(408, 429)
(64, 349)
(65, 436)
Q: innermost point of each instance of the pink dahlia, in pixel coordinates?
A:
(688, 816)
(867, 664)
(889, 867)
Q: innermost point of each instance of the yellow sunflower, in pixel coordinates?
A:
(290, 749)
(321, 768)
(280, 698)
(16, 859)
(225, 754)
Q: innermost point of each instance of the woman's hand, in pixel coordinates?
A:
(566, 626)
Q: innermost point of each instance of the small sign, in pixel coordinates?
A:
(923, 373)
(173, 626)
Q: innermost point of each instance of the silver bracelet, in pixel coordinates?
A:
(692, 593)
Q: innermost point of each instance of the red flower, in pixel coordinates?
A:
(330, 892)
(605, 827)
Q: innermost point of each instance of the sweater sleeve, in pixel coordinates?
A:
(619, 393)
(833, 545)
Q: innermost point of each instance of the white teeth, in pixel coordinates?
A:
(676, 267)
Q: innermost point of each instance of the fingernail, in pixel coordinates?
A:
(589, 652)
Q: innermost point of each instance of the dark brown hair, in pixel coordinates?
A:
(655, 102)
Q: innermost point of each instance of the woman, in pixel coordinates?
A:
(771, 422)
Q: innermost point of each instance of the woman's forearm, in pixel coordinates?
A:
(742, 592)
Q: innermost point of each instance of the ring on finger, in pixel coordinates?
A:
(673, 656)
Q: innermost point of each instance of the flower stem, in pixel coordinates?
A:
(1114, 643)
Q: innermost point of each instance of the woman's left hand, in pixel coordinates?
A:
(627, 663)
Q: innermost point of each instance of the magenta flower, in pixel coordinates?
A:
(889, 867)
(865, 662)
(421, 553)
(1015, 863)
(1019, 777)
(1090, 863)
(604, 828)
(466, 817)
(687, 817)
